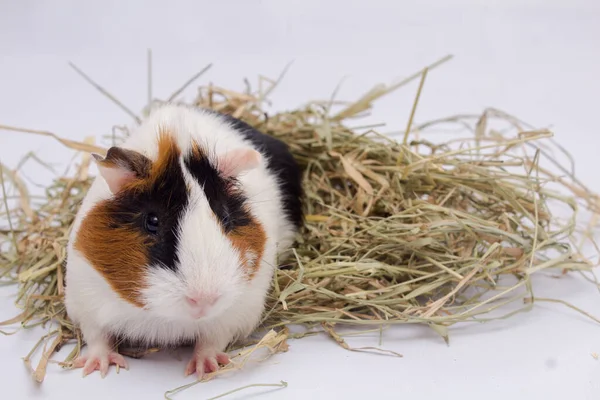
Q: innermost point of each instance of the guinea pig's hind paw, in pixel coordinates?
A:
(100, 363)
(204, 363)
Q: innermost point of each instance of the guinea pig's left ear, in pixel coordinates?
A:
(235, 162)
(121, 166)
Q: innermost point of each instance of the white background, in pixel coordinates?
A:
(539, 60)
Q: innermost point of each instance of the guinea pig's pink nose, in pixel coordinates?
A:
(200, 303)
(191, 301)
(198, 300)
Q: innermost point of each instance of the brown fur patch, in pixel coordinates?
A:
(249, 240)
(168, 153)
(120, 252)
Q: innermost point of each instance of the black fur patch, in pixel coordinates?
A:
(280, 163)
(226, 202)
(167, 198)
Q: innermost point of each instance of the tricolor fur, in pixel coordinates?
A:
(194, 205)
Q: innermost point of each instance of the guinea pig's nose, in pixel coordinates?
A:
(191, 301)
(201, 303)
(201, 300)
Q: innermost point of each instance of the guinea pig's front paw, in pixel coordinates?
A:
(99, 361)
(205, 360)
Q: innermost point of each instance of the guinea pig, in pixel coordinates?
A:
(178, 237)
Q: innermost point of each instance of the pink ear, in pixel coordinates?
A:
(236, 161)
(115, 176)
(121, 167)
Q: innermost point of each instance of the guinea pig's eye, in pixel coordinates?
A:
(151, 223)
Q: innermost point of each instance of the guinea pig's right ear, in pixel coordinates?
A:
(235, 162)
(122, 166)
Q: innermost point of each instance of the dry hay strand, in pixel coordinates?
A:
(396, 232)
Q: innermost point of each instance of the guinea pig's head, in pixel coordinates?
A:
(174, 235)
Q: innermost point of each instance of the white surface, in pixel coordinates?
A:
(538, 60)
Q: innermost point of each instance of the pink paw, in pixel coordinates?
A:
(99, 362)
(206, 361)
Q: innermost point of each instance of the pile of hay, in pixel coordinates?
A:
(397, 232)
